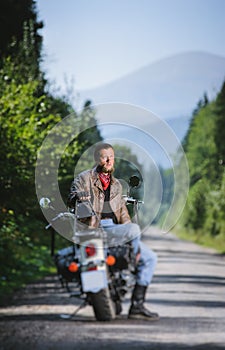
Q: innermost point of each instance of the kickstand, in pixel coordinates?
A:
(68, 316)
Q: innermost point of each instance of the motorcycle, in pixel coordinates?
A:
(100, 274)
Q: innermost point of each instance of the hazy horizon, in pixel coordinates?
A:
(96, 42)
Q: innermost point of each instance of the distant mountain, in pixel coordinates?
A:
(170, 88)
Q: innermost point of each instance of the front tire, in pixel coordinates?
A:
(102, 305)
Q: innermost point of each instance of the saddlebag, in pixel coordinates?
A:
(63, 259)
(123, 256)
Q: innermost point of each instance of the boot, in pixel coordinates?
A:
(137, 309)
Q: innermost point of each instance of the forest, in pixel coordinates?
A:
(28, 111)
(204, 145)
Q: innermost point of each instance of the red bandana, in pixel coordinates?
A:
(105, 180)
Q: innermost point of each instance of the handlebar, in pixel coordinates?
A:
(129, 200)
(59, 216)
(132, 200)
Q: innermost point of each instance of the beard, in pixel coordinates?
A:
(102, 169)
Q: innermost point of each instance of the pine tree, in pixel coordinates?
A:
(220, 129)
(14, 16)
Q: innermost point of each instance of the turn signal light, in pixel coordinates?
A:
(73, 267)
(110, 260)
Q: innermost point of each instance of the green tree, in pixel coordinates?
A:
(15, 16)
(27, 113)
(26, 117)
(201, 147)
(205, 149)
(196, 210)
(220, 130)
(200, 105)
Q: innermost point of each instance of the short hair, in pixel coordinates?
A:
(99, 147)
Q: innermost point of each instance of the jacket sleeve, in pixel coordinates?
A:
(124, 215)
(78, 185)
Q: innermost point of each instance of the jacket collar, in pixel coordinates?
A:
(96, 179)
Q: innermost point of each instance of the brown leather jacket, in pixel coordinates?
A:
(89, 181)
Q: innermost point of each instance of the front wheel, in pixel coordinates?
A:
(102, 305)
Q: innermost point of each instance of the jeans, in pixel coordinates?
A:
(119, 234)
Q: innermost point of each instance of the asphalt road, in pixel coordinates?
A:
(188, 291)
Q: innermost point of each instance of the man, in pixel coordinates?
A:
(105, 193)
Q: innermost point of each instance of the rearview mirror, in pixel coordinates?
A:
(134, 181)
(45, 203)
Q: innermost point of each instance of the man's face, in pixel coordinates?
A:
(106, 160)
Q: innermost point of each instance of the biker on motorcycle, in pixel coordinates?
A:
(105, 194)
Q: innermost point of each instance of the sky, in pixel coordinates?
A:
(89, 43)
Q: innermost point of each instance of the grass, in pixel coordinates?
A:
(202, 238)
(23, 270)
